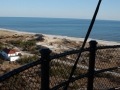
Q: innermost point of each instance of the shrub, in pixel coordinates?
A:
(40, 37)
(29, 59)
(19, 54)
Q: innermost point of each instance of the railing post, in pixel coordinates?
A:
(45, 53)
(93, 45)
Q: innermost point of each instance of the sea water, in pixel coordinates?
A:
(102, 29)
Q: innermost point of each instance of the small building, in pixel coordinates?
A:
(10, 54)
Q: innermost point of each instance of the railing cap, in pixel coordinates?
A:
(93, 43)
(45, 52)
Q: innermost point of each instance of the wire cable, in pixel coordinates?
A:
(85, 40)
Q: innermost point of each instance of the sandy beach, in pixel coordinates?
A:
(50, 38)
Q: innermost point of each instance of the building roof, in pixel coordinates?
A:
(9, 51)
(15, 50)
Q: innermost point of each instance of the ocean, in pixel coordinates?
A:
(103, 29)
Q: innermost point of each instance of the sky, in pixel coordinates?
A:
(82, 9)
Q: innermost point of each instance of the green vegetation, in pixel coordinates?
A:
(34, 51)
(3, 45)
(16, 36)
(27, 45)
(20, 43)
(40, 37)
(29, 59)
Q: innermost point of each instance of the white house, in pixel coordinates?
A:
(11, 55)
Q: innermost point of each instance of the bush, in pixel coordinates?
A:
(25, 45)
(19, 54)
(40, 37)
(29, 59)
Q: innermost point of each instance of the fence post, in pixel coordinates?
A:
(93, 45)
(45, 53)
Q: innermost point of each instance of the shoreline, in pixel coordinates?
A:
(104, 42)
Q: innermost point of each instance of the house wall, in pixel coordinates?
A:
(11, 57)
(14, 58)
(5, 54)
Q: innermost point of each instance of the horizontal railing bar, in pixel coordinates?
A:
(82, 76)
(77, 51)
(72, 80)
(116, 88)
(108, 71)
(29, 65)
(18, 70)
(107, 47)
(104, 70)
(68, 53)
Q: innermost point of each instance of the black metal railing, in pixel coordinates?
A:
(98, 68)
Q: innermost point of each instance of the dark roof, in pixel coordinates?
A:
(9, 51)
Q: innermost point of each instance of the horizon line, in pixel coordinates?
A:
(56, 18)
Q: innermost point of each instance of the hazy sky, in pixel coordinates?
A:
(110, 9)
